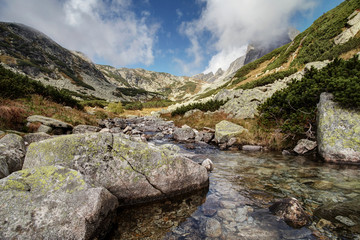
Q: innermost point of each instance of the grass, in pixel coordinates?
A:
(13, 113)
(256, 135)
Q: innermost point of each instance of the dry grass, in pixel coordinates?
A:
(350, 54)
(7, 59)
(140, 113)
(13, 113)
(256, 135)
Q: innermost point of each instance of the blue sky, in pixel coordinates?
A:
(181, 37)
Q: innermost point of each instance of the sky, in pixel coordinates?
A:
(181, 37)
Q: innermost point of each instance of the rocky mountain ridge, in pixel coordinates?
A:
(28, 51)
(171, 86)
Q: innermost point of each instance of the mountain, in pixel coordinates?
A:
(28, 51)
(173, 87)
(254, 51)
(334, 35)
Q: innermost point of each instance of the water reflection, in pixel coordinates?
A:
(242, 187)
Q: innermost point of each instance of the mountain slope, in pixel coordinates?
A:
(33, 53)
(28, 51)
(321, 41)
(174, 87)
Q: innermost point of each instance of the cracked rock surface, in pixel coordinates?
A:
(133, 171)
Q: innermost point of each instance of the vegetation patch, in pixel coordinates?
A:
(211, 106)
(293, 109)
(268, 79)
(15, 85)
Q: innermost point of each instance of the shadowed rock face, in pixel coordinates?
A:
(53, 203)
(133, 171)
(338, 133)
(12, 154)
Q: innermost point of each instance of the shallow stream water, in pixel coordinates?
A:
(242, 187)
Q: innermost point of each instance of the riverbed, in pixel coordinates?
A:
(235, 206)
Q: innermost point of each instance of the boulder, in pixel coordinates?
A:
(35, 137)
(50, 125)
(304, 146)
(53, 203)
(291, 212)
(184, 134)
(338, 131)
(133, 171)
(85, 129)
(226, 130)
(12, 153)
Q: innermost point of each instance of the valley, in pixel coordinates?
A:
(269, 147)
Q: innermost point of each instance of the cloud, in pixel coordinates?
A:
(105, 30)
(225, 27)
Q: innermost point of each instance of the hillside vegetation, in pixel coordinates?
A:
(314, 44)
(293, 109)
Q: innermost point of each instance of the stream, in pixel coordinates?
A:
(242, 187)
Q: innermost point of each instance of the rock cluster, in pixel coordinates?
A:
(69, 186)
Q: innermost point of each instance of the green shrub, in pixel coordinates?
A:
(134, 106)
(115, 107)
(15, 86)
(211, 105)
(294, 109)
(157, 103)
(268, 79)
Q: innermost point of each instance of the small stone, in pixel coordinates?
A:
(211, 228)
(208, 164)
(127, 129)
(251, 148)
(231, 142)
(304, 146)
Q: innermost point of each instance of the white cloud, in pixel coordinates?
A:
(179, 13)
(232, 24)
(106, 30)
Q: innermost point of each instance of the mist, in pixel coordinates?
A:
(233, 24)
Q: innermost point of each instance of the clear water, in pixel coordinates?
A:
(242, 187)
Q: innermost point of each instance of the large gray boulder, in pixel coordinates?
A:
(50, 125)
(133, 171)
(338, 133)
(226, 130)
(12, 154)
(53, 203)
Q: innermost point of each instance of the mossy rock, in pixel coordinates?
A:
(53, 202)
(133, 171)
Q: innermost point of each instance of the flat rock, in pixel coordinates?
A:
(133, 171)
(251, 148)
(338, 133)
(53, 203)
(57, 126)
(12, 154)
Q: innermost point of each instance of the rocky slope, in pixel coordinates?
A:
(28, 51)
(169, 85)
(31, 52)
